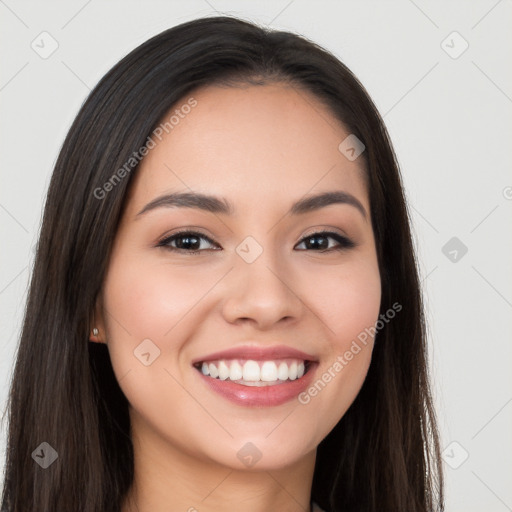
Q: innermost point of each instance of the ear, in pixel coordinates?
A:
(97, 333)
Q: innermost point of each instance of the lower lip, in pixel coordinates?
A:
(264, 396)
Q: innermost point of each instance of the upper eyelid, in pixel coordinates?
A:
(325, 229)
(185, 231)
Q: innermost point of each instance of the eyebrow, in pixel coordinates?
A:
(221, 205)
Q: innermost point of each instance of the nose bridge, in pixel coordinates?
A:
(261, 287)
(257, 265)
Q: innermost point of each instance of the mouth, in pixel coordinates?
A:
(249, 372)
(257, 383)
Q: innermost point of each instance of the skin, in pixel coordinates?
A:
(263, 148)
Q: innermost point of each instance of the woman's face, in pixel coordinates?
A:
(260, 279)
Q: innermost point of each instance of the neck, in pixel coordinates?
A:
(165, 475)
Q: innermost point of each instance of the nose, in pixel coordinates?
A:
(263, 292)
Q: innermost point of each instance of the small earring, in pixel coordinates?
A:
(95, 331)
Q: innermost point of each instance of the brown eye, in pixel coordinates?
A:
(186, 241)
(319, 241)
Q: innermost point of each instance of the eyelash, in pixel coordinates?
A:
(344, 242)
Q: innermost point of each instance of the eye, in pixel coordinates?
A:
(186, 241)
(319, 239)
(190, 242)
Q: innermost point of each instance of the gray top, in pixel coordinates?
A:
(316, 508)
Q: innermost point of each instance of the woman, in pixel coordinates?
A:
(225, 310)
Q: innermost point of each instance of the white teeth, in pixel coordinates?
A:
(235, 372)
(223, 370)
(213, 370)
(252, 372)
(282, 373)
(269, 371)
(292, 371)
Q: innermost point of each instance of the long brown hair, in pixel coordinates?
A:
(384, 453)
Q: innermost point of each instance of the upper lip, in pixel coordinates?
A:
(257, 353)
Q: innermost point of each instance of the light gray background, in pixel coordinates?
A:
(451, 124)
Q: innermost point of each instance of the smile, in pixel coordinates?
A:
(254, 373)
(257, 383)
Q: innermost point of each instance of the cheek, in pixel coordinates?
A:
(348, 301)
(147, 308)
(151, 300)
(148, 299)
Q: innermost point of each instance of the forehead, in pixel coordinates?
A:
(253, 144)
